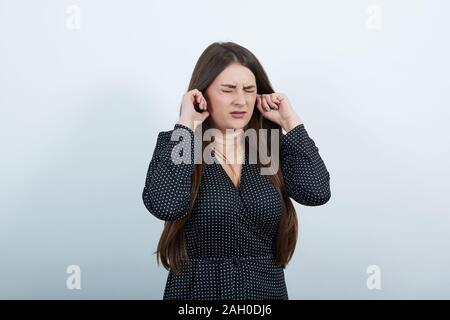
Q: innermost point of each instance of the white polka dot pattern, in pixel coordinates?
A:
(306, 177)
(231, 234)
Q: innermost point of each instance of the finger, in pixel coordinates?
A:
(258, 104)
(200, 102)
(197, 97)
(205, 114)
(271, 103)
(275, 99)
(200, 99)
(264, 103)
(196, 93)
(205, 104)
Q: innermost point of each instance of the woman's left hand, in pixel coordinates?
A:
(277, 108)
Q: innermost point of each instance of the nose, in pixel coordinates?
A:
(240, 98)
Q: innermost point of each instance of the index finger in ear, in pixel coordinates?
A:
(259, 104)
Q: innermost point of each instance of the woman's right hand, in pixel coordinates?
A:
(189, 116)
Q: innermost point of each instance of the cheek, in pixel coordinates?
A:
(219, 105)
(252, 102)
(217, 109)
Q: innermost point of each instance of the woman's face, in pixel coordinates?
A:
(234, 89)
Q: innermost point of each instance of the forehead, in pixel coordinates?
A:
(236, 74)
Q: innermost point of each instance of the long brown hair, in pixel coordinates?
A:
(215, 58)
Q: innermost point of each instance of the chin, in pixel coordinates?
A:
(237, 123)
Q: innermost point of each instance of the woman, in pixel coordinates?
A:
(229, 230)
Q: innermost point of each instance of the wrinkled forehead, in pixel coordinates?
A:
(236, 75)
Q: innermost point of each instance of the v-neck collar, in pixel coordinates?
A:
(242, 174)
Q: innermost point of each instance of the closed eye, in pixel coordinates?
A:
(246, 91)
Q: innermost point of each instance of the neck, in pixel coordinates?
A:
(230, 144)
(229, 137)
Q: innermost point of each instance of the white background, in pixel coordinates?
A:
(81, 110)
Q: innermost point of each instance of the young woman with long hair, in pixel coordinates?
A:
(229, 230)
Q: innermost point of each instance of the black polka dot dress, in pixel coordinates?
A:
(231, 234)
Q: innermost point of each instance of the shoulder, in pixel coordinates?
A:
(165, 136)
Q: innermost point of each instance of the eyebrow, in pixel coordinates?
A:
(233, 86)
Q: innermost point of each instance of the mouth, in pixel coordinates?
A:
(237, 114)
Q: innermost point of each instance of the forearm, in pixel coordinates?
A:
(168, 185)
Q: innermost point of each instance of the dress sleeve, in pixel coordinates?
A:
(306, 177)
(167, 189)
